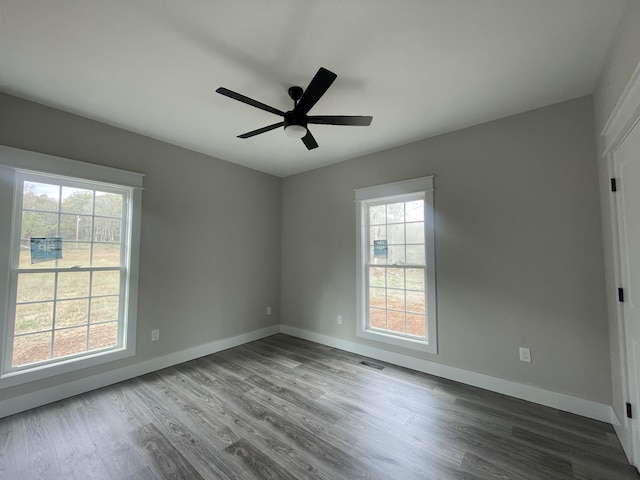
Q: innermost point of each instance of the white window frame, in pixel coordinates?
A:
(15, 164)
(388, 193)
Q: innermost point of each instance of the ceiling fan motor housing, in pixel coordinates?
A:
(291, 118)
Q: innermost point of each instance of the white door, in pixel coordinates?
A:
(626, 163)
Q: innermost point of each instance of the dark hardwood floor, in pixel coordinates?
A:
(284, 408)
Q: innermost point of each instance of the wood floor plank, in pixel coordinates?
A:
(320, 448)
(32, 453)
(271, 353)
(104, 426)
(143, 474)
(588, 458)
(598, 440)
(259, 464)
(242, 362)
(167, 461)
(286, 408)
(343, 439)
(197, 444)
(483, 468)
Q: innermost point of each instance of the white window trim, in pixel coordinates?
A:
(13, 160)
(383, 192)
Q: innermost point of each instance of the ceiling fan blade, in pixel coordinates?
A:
(309, 141)
(261, 130)
(363, 121)
(320, 83)
(249, 101)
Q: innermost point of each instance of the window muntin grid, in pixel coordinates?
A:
(396, 261)
(71, 307)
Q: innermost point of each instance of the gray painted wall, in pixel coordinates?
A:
(193, 297)
(518, 247)
(623, 59)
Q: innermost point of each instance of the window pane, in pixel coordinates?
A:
(415, 232)
(415, 278)
(77, 200)
(108, 204)
(105, 283)
(379, 232)
(395, 299)
(75, 227)
(415, 255)
(103, 335)
(75, 254)
(31, 348)
(376, 276)
(73, 284)
(377, 297)
(396, 255)
(35, 286)
(416, 325)
(24, 260)
(395, 277)
(396, 234)
(40, 196)
(378, 318)
(39, 224)
(415, 301)
(415, 211)
(70, 341)
(107, 229)
(33, 317)
(104, 309)
(106, 255)
(71, 312)
(395, 212)
(396, 321)
(377, 215)
(377, 259)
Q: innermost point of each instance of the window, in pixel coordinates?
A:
(396, 260)
(72, 273)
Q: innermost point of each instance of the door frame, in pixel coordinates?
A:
(623, 119)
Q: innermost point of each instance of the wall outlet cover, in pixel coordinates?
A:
(525, 354)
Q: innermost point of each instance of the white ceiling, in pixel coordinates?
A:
(419, 67)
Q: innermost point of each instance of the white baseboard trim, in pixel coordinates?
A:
(560, 401)
(21, 403)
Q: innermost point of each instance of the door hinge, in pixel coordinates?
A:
(614, 185)
(629, 412)
(620, 295)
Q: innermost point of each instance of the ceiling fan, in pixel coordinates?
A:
(295, 121)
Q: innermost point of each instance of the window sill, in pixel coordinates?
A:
(39, 372)
(405, 342)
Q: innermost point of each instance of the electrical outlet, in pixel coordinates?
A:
(155, 335)
(268, 310)
(525, 354)
(339, 319)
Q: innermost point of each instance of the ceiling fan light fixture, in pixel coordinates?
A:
(295, 131)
